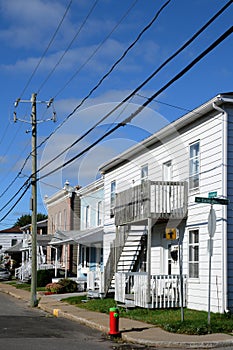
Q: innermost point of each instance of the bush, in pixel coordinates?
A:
(54, 288)
(44, 277)
(69, 286)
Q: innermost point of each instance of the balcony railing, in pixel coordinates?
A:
(157, 199)
(165, 290)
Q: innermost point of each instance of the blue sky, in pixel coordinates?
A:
(61, 49)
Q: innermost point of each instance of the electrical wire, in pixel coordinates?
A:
(106, 75)
(68, 47)
(96, 50)
(46, 50)
(139, 110)
(10, 210)
(28, 157)
(187, 43)
(127, 120)
(129, 96)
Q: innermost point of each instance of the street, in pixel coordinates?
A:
(26, 328)
(23, 327)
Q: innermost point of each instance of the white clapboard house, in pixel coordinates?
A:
(161, 245)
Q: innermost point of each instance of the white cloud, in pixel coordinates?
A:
(28, 23)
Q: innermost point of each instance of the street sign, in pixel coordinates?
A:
(171, 233)
(212, 222)
(212, 194)
(212, 200)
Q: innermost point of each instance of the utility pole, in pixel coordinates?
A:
(33, 204)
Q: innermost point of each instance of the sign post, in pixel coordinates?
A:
(211, 229)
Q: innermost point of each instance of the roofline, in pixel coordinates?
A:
(92, 187)
(167, 130)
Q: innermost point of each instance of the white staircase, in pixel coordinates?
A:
(131, 250)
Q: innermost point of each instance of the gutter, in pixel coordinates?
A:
(224, 194)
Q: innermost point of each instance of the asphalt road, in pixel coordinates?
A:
(23, 327)
(26, 328)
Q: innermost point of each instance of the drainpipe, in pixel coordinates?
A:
(224, 207)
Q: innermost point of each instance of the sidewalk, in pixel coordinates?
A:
(131, 331)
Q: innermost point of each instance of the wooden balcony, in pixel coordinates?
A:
(160, 200)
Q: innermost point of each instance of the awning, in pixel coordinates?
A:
(15, 248)
(59, 238)
(85, 237)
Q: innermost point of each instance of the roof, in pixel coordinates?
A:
(39, 224)
(15, 248)
(172, 128)
(15, 229)
(85, 237)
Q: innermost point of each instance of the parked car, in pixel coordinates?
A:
(5, 274)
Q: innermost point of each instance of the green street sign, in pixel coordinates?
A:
(212, 200)
(212, 194)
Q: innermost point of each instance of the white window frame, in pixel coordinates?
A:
(112, 198)
(99, 213)
(194, 166)
(194, 253)
(87, 216)
(144, 173)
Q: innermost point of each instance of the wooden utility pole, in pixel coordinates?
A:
(34, 301)
(33, 205)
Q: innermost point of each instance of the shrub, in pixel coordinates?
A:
(54, 288)
(69, 286)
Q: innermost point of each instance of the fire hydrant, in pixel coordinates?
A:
(114, 322)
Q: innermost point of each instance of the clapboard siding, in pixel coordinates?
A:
(208, 130)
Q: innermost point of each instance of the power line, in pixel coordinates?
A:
(10, 210)
(46, 139)
(227, 33)
(133, 93)
(96, 50)
(139, 110)
(46, 50)
(134, 114)
(69, 46)
(188, 42)
(107, 74)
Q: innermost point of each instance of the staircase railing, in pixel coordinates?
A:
(116, 248)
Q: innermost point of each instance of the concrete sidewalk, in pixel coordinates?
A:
(131, 331)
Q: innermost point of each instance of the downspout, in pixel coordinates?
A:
(224, 207)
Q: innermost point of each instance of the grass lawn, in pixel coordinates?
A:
(195, 322)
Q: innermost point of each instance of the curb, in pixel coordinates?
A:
(54, 308)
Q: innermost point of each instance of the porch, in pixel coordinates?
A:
(160, 200)
(166, 291)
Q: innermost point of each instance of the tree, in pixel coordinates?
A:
(26, 219)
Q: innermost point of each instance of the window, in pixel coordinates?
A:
(194, 253)
(65, 219)
(85, 257)
(112, 198)
(87, 216)
(194, 165)
(59, 221)
(144, 173)
(13, 242)
(99, 213)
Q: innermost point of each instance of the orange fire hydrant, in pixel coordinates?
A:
(114, 321)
